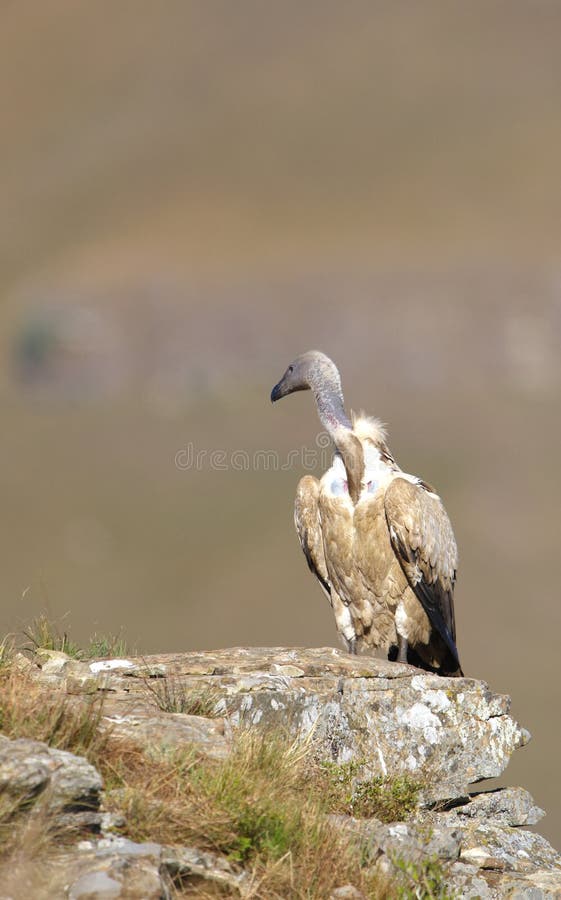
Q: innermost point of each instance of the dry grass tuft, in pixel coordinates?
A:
(44, 634)
(28, 710)
(106, 645)
(8, 651)
(30, 840)
(171, 695)
(263, 808)
(30, 835)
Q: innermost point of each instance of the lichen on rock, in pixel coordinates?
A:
(375, 719)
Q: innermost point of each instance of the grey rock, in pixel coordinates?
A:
(537, 886)
(189, 864)
(510, 806)
(346, 892)
(110, 821)
(389, 718)
(122, 846)
(466, 883)
(169, 730)
(118, 868)
(512, 849)
(449, 732)
(52, 662)
(68, 785)
(411, 841)
(95, 884)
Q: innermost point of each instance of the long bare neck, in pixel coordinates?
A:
(331, 409)
(334, 418)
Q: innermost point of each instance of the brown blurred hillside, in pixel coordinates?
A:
(192, 193)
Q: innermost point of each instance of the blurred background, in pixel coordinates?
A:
(195, 192)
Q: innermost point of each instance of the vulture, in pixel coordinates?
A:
(378, 540)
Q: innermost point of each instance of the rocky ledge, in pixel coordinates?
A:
(390, 719)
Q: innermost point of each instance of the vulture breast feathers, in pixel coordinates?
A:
(381, 545)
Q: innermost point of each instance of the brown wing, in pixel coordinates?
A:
(423, 541)
(309, 512)
(308, 526)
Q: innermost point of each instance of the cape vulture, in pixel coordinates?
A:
(378, 540)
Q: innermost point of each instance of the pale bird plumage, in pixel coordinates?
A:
(378, 539)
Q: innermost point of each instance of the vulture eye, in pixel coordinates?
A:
(290, 370)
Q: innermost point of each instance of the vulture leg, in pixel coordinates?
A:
(352, 646)
(402, 649)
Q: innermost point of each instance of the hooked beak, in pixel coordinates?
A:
(277, 391)
(290, 382)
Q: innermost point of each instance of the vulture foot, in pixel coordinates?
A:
(402, 649)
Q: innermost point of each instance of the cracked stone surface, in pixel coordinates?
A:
(67, 785)
(112, 868)
(388, 717)
(509, 806)
(454, 730)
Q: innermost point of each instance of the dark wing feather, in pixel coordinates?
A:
(423, 541)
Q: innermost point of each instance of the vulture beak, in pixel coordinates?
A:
(277, 392)
(294, 379)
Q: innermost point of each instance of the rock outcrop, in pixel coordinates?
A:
(389, 718)
(68, 785)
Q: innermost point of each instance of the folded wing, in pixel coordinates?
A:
(308, 526)
(423, 541)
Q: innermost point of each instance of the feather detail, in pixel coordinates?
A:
(368, 428)
(371, 431)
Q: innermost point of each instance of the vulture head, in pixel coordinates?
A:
(310, 371)
(314, 371)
